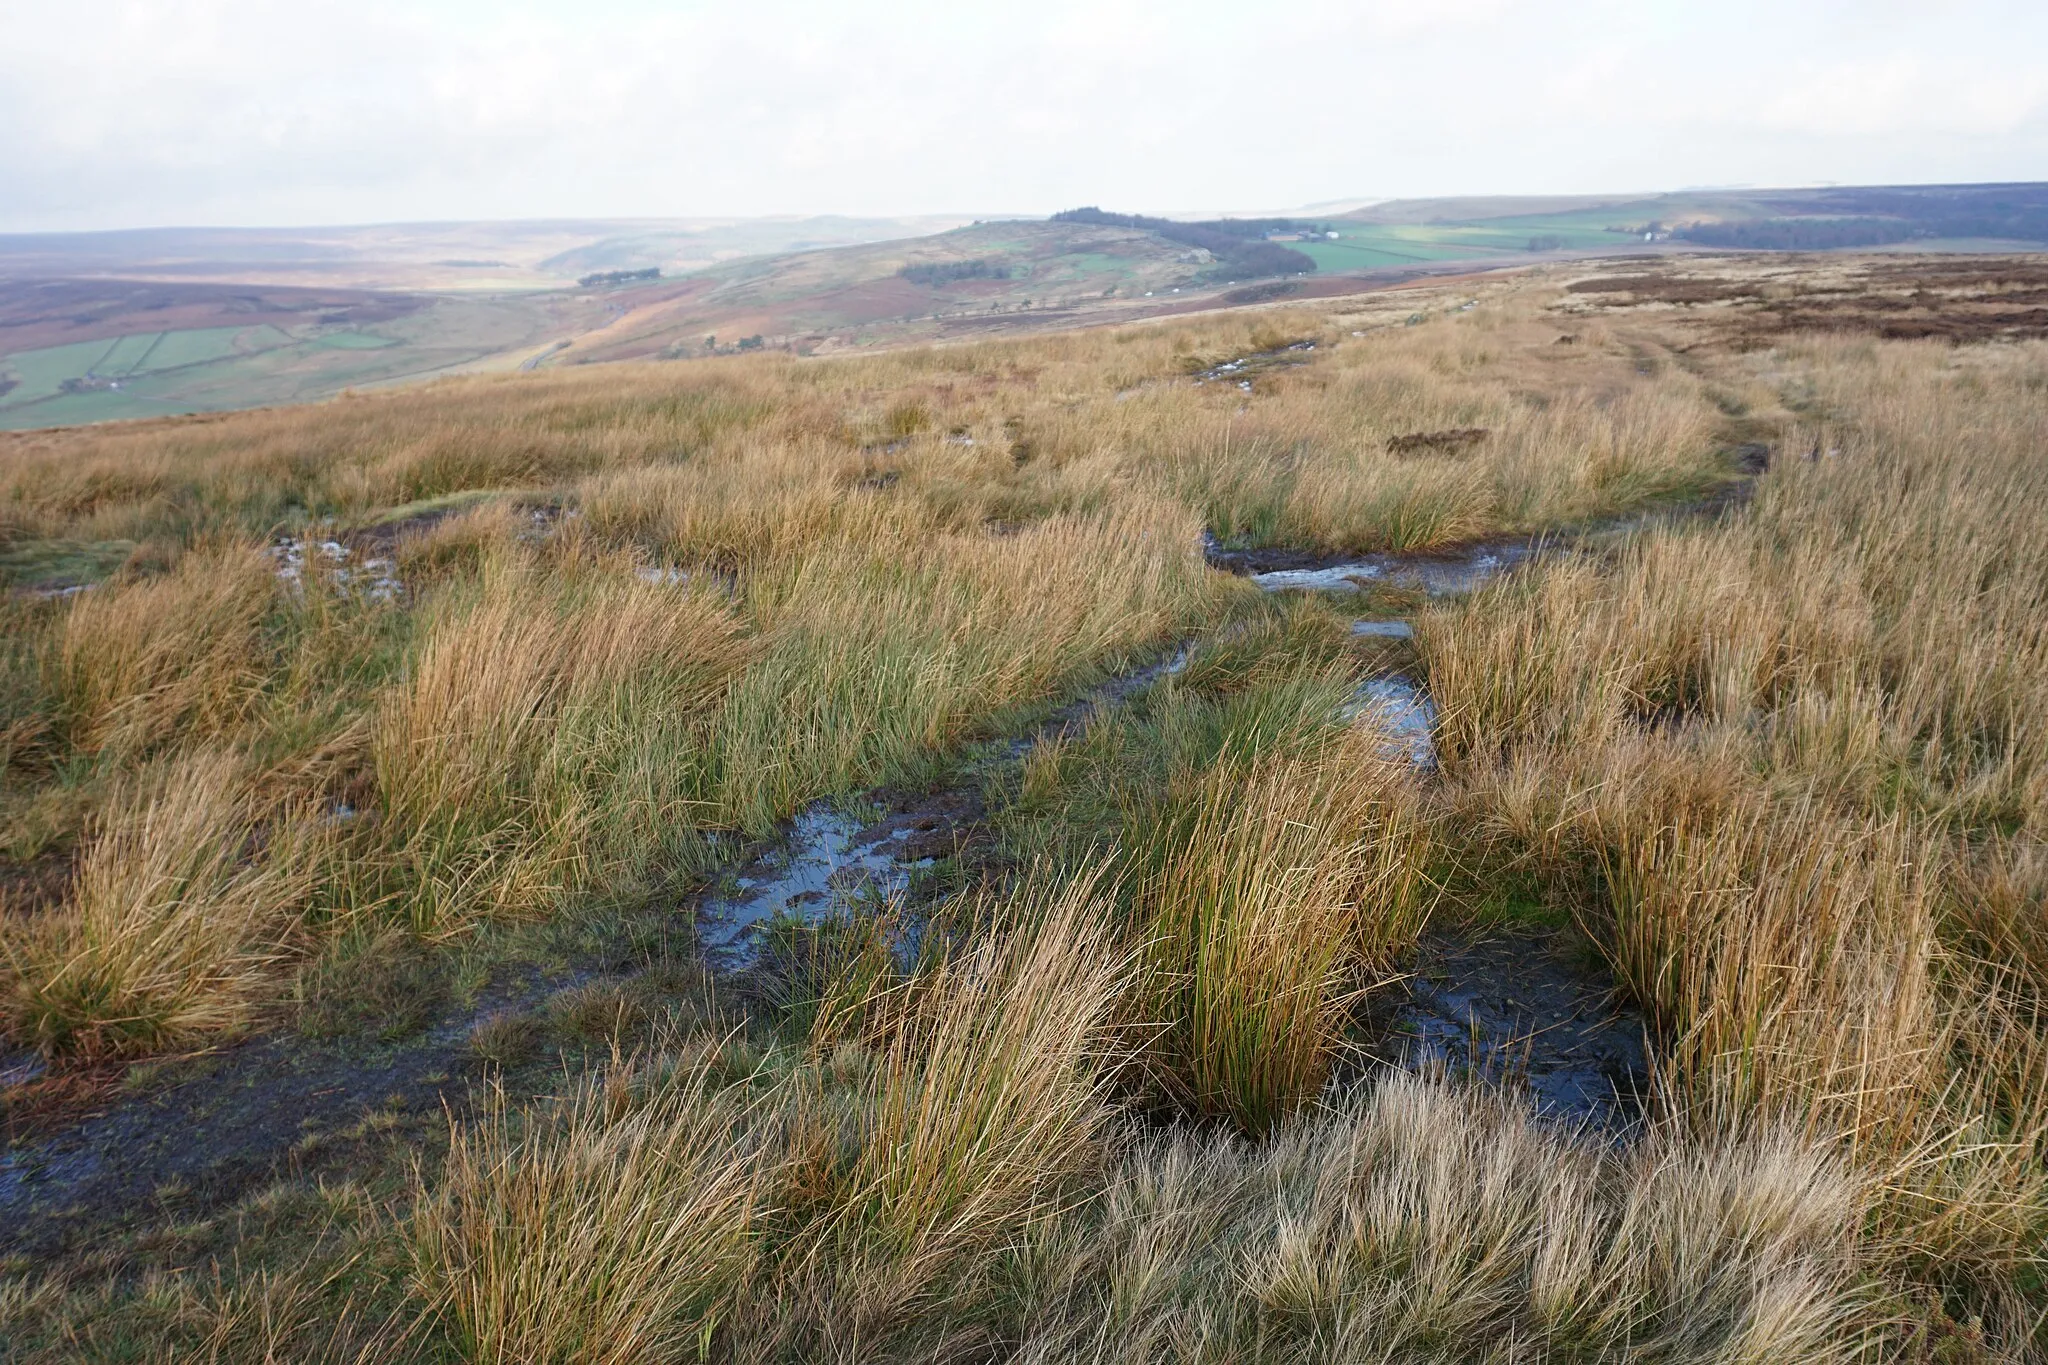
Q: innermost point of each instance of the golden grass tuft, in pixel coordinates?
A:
(984, 1106)
(684, 1200)
(613, 1227)
(1420, 1221)
(874, 661)
(141, 663)
(544, 735)
(181, 909)
(1271, 893)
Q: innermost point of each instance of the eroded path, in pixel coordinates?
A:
(183, 1135)
(1526, 1005)
(1518, 1005)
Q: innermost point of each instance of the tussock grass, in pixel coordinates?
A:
(1271, 859)
(615, 1227)
(1267, 894)
(1427, 1222)
(982, 1106)
(781, 1203)
(1785, 766)
(1791, 760)
(178, 914)
(872, 661)
(1312, 469)
(141, 663)
(546, 731)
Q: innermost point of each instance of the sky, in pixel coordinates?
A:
(134, 113)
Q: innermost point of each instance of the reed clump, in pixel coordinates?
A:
(1422, 1220)
(616, 1226)
(545, 735)
(171, 657)
(776, 1203)
(1270, 858)
(1267, 898)
(182, 907)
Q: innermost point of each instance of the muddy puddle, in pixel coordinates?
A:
(1245, 368)
(1519, 1007)
(835, 861)
(374, 576)
(1453, 570)
(1384, 630)
(1440, 574)
(1403, 712)
(829, 864)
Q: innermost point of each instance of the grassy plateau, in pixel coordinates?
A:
(367, 766)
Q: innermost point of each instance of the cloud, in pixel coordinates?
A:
(152, 111)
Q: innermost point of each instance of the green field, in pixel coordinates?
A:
(140, 373)
(201, 345)
(127, 354)
(134, 357)
(206, 369)
(354, 341)
(1374, 246)
(41, 373)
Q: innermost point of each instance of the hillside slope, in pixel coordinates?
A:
(927, 286)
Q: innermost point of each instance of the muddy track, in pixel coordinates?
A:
(1450, 570)
(840, 858)
(205, 1130)
(1517, 1005)
(1524, 1006)
(201, 1132)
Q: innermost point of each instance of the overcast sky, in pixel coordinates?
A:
(124, 113)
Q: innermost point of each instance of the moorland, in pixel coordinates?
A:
(1493, 820)
(113, 325)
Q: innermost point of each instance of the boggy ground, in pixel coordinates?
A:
(1748, 303)
(1100, 1084)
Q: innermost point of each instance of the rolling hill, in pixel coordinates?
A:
(98, 326)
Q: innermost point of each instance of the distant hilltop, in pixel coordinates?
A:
(619, 277)
(1242, 248)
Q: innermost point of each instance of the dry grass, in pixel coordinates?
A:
(178, 915)
(1427, 1223)
(1786, 767)
(1312, 469)
(1270, 892)
(1799, 749)
(1270, 859)
(874, 659)
(545, 732)
(981, 1109)
(774, 1204)
(164, 658)
(614, 1228)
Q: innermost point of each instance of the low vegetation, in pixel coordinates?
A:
(1238, 246)
(1103, 1087)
